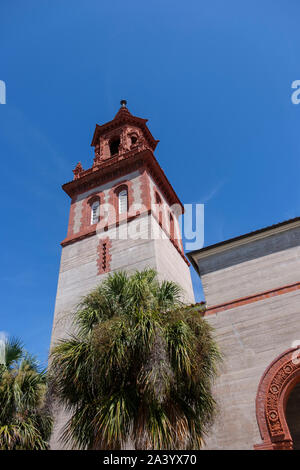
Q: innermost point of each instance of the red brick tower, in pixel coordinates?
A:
(124, 216)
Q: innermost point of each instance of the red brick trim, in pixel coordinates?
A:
(94, 197)
(118, 166)
(85, 221)
(80, 236)
(120, 187)
(145, 188)
(122, 118)
(104, 255)
(253, 298)
(274, 388)
(172, 226)
(91, 230)
(72, 217)
(114, 202)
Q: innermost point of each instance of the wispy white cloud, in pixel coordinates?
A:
(213, 192)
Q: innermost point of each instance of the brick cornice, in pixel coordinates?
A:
(121, 166)
(252, 298)
(122, 118)
(92, 230)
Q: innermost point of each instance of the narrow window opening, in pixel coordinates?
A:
(123, 201)
(114, 146)
(95, 210)
(133, 139)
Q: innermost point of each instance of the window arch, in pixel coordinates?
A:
(133, 139)
(95, 211)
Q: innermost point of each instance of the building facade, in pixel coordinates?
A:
(123, 216)
(252, 289)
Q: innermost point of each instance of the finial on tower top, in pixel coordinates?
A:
(123, 103)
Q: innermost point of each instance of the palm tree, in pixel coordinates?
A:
(25, 423)
(139, 368)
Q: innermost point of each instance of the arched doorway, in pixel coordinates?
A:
(276, 401)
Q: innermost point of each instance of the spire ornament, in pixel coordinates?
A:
(77, 171)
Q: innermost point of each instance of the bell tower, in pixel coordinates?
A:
(123, 216)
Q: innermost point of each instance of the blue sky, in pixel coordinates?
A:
(214, 79)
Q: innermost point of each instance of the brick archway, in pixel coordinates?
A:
(273, 391)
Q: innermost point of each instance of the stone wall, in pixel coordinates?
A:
(251, 268)
(79, 274)
(250, 338)
(250, 335)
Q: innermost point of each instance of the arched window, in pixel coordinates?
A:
(95, 212)
(133, 138)
(123, 201)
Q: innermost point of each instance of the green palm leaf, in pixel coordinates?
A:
(139, 370)
(25, 423)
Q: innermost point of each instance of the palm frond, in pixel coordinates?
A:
(169, 294)
(13, 351)
(24, 422)
(140, 369)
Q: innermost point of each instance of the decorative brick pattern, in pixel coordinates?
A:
(72, 218)
(85, 221)
(116, 167)
(107, 168)
(114, 202)
(104, 255)
(145, 189)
